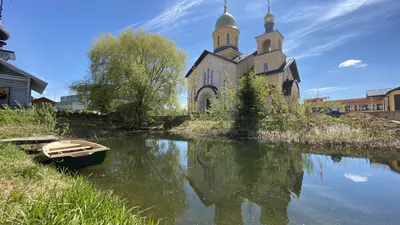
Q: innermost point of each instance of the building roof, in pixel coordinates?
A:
(225, 20)
(394, 89)
(242, 57)
(356, 101)
(43, 99)
(291, 64)
(377, 92)
(37, 84)
(236, 60)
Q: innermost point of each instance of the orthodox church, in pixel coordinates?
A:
(210, 71)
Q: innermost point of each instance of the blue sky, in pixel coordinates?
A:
(342, 47)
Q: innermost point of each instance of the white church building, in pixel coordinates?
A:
(209, 72)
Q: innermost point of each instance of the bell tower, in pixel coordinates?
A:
(226, 35)
(269, 47)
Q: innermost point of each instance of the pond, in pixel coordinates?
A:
(209, 181)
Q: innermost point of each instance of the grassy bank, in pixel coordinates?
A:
(352, 130)
(37, 194)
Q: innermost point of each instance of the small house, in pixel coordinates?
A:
(16, 85)
(43, 100)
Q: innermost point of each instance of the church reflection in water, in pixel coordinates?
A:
(267, 176)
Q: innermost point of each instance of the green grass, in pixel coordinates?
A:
(37, 194)
(32, 193)
(27, 122)
(318, 129)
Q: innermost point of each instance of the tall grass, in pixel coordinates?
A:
(27, 122)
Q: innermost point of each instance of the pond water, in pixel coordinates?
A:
(205, 181)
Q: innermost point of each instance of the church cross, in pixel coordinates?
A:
(225, 6)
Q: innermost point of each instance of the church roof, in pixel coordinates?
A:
(225, 20)
(290, 64)
(235, 60)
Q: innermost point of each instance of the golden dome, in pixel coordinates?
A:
(269, 18)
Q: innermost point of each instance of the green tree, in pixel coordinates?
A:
(138, 74)
(224, 106)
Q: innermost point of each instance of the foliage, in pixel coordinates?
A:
(224, 106)
(192, 85)
(27, 122)
(327, 105)
(136, 74)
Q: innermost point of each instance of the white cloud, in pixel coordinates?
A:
(343, 7)
(356, 178)
(335, 17)
(172, 14)
(353, 63)
(328, 89)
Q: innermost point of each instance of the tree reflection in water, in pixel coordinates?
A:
(146, 173)
(226, 174)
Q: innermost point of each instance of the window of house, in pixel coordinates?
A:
(208, 76)
(224, 83)
(205, 78)
(227, 39)
(265, 67)
(218, 41)
(212, 77)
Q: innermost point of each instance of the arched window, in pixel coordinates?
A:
(280, 45)
(205, 78)
(224, 83)
(227, 39)
(218, 41)
(265, 67)
(208, 76)
(237, 41)
(266, 46)
(212, 77)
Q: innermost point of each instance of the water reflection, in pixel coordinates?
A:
(145, 172)
(265, 175)
(245, 182)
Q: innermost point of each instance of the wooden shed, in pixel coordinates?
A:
(16, 85)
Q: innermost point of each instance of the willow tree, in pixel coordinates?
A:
(136, 73)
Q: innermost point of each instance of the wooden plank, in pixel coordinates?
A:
(61, 146)
(30, 140)
(71, 149)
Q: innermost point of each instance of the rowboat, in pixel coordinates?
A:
(74, 154)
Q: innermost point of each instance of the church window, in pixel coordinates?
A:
(236, 41)
(218, 41)
(266, 46)
(212, 77)
(205, 78)
(265, 67)
(227, 39)
(208, 76)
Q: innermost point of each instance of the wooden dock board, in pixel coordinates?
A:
(30, 140)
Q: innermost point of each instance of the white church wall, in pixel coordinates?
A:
(220, 67)
(244, 66)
